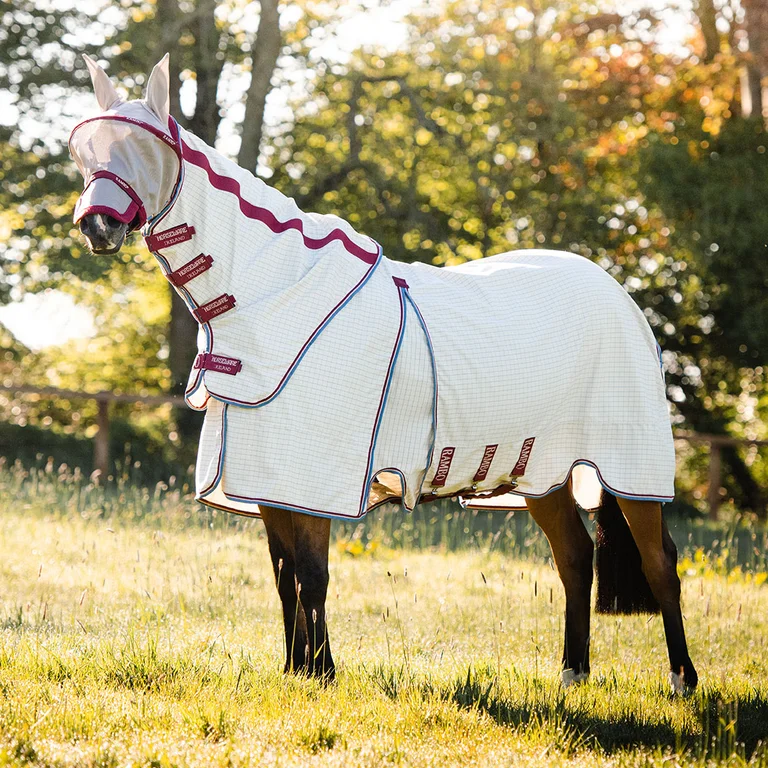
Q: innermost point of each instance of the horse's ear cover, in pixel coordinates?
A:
(159, 90)
(106, 94)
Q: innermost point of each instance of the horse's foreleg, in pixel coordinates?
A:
(311, 538)
(659, 557)
(572, 549)
(279, 525)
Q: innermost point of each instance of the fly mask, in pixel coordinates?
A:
(128, 157)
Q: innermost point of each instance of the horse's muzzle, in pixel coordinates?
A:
(104, 233)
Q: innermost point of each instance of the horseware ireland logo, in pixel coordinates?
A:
(190, 270)
(170, 237)
(218, 306)
(525, 454)
(446, 457)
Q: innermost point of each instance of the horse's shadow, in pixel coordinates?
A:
(723, 723)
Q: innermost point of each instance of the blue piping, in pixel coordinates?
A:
(431, 452)
(401, 336)
(312, 340)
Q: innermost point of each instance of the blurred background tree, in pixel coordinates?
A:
(545, 123)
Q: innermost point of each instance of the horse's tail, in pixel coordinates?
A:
(621, 584)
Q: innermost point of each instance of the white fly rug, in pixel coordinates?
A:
(335, 379)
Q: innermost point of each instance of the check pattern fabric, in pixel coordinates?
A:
(336, 379)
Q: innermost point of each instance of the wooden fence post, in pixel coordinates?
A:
(101, 441)
(715, 472)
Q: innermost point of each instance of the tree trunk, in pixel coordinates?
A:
(209, 62)
(756, 23)
(170, 20)
(705, 10)
(266, 49)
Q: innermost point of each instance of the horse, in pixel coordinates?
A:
(318, 357)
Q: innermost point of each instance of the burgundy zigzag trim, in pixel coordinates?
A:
(226, 184)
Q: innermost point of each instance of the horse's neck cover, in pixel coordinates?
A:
(334, 379)
(135, 166)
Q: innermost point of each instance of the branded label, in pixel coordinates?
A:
(525, 454)
(210, 362)
(446, 457)
(485, 464)
(190, 270)
(218, 306)
(170, 237)
(171, 142)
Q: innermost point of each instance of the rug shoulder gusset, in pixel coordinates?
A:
(309, 449)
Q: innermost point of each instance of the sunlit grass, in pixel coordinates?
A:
(138, 629)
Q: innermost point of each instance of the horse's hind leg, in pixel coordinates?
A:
(311, 538)
(572, 549)
(279, 525)
(659, 558)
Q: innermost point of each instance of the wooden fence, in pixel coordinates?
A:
(103, 399)
(101, 439)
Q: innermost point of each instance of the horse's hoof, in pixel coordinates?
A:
(679, 685)
(569, 678)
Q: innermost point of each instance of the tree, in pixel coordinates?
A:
(496, 131)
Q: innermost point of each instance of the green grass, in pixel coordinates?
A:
(138, 629)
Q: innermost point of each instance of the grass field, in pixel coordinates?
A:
(139, 629)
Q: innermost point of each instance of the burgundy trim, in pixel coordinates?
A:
(218, 363)
(190, 270)
(198, 408)
(399, 282)
(485, 464)
(392, 358)
(169, 237)
(222, 448)
(273, 502)
(436, 398)
(126, 217)
(126, 187)
(296, 359)
(603, 483)
(214, 308)
(230, 510)
(392, 499)
(227, 184)
(443, 467)
(169, 140)
(525, 454)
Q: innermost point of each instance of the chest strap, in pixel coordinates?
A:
(190, 270)
(169, 237)
(218, 306)
(210, 362)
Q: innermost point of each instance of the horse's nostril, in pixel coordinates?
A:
(113, 222)
(84, 225)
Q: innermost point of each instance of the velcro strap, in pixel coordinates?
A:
(190, 270)
(170, 237)
(218, 306)
(443, 467)
(210, 362)
(485, 464)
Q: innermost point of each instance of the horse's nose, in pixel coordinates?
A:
(105, 234)
(87, 224)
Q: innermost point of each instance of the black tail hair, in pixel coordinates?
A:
(621, 584)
